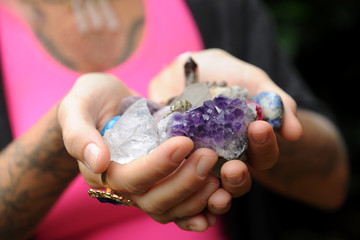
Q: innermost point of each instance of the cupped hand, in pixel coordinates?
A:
(216, 65)
(162, 183)
(165, 185)
(94, 99)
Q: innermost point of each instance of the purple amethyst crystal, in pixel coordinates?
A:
(220, 124)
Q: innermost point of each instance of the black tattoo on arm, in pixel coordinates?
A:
(33, 174)
(130, 43)
(54, 51)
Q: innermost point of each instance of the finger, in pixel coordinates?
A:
(194, 204)
(220, 202)
(263, 151)
(235, 178)
(144, 172)
(92, 180)
(177, 187)
(197, 223)
(211, 218)
(291, 128)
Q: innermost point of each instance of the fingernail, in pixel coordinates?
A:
(177, 156)
(220, 208)
(91, 154)
(209, 189)
(235, 179)
(203, 167)
(260, 138)
(184, 55)
(191, 227)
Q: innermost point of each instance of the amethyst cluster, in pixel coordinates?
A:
(220, 124)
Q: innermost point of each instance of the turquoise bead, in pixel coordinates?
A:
(110, 124)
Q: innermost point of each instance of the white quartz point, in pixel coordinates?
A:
(134, 135)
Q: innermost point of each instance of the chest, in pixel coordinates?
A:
(86, 36)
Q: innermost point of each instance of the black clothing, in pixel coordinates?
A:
(244, 29)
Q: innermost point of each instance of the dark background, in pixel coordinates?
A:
(322, 38)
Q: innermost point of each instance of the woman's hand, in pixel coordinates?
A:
(162, 184)
(94, 99)
(215, 65)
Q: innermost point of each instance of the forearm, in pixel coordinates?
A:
(34, 170)
(314, 169)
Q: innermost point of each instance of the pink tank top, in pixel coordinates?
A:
(34, 82)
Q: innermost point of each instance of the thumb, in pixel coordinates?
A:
(94, 98)
(81, 138)
(291, 128)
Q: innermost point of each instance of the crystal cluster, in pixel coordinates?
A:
(212, 115)
(220, 124)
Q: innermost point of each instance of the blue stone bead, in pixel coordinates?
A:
(272, 106)
(110, 124)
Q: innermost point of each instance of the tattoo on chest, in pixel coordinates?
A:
(73, 61)
(54, 51)
(130, 42)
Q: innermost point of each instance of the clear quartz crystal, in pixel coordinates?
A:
(134, 135)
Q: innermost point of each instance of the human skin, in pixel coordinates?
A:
(306, 160)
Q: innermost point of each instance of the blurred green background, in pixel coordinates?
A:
(322, 38)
